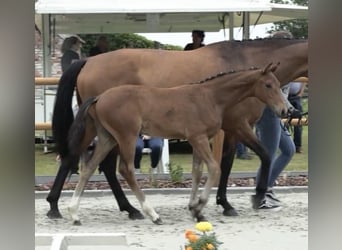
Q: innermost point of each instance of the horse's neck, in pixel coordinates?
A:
(293, 60)
(292, 55)
(227, 91)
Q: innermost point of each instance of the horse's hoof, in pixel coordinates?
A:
(136, 216)
(77, 223)
(158, 221)
(230, 212)
(54, 214)
(256, 201)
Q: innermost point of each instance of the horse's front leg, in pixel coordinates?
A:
(253, 143)
(197, 169)
(108, 166)
(228, 155)
(248, 137)
(126, 169)
(201, 147)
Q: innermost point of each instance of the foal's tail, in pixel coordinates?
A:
(62, 113)
(78, 128)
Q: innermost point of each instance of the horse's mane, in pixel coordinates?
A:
(220, 74)
(256, 41)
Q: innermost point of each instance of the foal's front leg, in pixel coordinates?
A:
(197, 170)
(202, 148)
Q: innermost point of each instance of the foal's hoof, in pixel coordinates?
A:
(158, 221)
(230, 212)
(201, 218)
(77, 223)
(54, 214)
(136, 215)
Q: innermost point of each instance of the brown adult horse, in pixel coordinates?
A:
(193, 112)
(163, 69)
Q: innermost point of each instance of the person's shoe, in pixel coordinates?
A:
(299, 150)
(154, 170)
(265, 204)
(244, 157)
(137, 171)
(271, 196)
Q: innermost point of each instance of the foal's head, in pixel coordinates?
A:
(267, 89)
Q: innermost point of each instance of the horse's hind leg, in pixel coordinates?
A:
(67, 163)
(109, 170)
(87, 169)
(229, 148)
(126, 168)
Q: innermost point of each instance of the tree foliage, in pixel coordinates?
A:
(125, 40)
(298, 27)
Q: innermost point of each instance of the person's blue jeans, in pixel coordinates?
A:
(274, 135)
(241, 149)
(156, 146)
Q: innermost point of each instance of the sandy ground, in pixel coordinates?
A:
(252, 230)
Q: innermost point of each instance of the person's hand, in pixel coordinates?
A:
(146, 137)
(294, 113)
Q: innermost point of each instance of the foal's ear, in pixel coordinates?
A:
(270, 68)
(274, 67)
(266, 69)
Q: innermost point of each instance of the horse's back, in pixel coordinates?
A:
(161, 68)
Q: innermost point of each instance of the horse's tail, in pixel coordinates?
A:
(78, 128)
(62, 113)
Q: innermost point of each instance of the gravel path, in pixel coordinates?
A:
(253, 230)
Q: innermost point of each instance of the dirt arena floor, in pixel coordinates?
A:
(251, 230)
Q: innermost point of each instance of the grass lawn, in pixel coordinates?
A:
(45, 164)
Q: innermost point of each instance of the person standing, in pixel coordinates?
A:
(295, 98)
(197, 40)
(274, 135)
(71, 51)
(101, 46)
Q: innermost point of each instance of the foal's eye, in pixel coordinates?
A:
(268, 85)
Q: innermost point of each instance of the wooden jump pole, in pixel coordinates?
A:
(46, 80)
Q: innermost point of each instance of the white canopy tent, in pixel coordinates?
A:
(155, 16)
(135, 16)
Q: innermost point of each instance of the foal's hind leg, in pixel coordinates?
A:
(126, 168)
(87, 169)
(108, 166)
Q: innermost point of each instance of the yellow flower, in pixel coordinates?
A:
(204, 226)
(188, 248)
